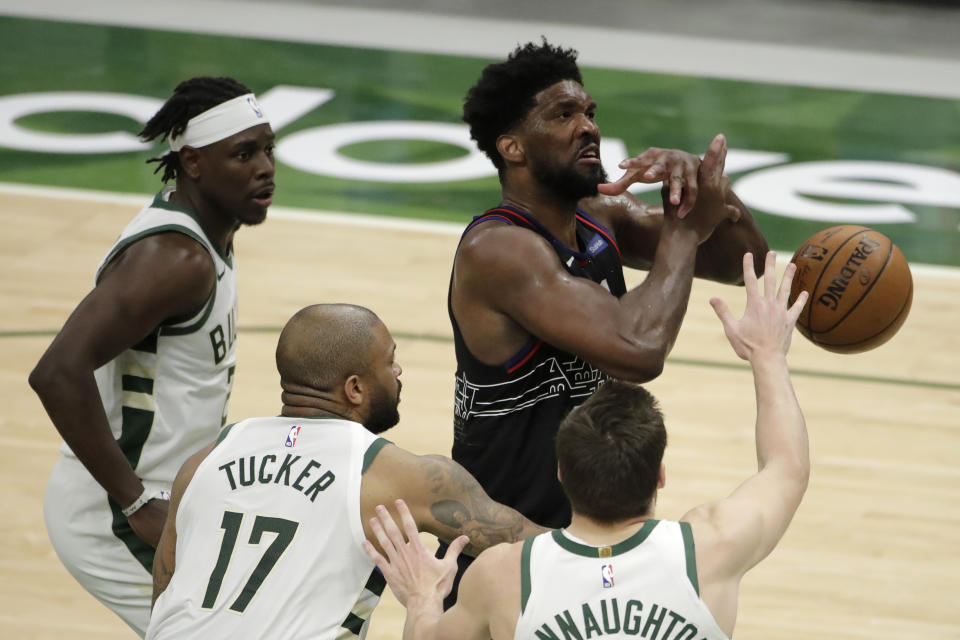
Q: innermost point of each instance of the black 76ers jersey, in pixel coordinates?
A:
(506, 416)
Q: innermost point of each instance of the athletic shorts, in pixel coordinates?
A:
(96, 545)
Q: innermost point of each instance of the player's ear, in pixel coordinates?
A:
(354, 390)
(662, 477)
(511, 148)
(559, 477)
(190, 162)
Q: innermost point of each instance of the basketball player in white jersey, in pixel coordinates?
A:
(616, 571)
(265, 533)
(139, 377)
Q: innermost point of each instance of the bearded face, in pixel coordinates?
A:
(384, 409)
(571, 180)
(560, 140)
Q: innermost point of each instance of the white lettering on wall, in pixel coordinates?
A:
(13, 136)
(790, 190)
(317, 150)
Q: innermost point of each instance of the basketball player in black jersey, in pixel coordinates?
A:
(540, 313)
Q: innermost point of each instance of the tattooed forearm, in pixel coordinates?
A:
(463, 507)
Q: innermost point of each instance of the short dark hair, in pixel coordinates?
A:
(191, 98)
(609, 450)
(504, 95)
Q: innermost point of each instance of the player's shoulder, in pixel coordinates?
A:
(502, 551)
(492, 232)
(499, 247)
(172, 257)
(495, 564)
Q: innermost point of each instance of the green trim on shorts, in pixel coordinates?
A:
(140, 550)
(690, 552)
(525, 572)
(372, 452)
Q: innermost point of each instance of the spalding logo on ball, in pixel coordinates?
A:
(860, 288)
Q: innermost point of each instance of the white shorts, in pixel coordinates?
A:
(98, 549)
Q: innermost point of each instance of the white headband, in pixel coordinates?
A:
(220, 122)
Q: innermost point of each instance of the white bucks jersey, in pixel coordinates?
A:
(644, 587)
(166, 397)
(269, 536)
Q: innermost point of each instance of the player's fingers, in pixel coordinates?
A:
(783, 293)
(723, 312)
(797, 307)
(409, 524)
(665, 197)
(653, 173)
(456, 547)
(618, 186)
(372, 552)
(390, 527)
(382, 539)
(688, 198)
(749, 276)
(711, 168)
(770, 275)
(676, 182)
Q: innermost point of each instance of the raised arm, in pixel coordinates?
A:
(159, 278)
(637, 225)
(421, 581)
(443, 497)
(734, 534)
(504, 275)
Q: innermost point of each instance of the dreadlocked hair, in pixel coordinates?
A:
(505, 93)
(190, 98)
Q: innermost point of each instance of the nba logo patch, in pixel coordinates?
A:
(256, 107)
(606, 572)
(292, 436)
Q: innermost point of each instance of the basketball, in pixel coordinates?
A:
(860, 288)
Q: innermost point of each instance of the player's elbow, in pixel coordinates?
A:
(639, 365)
(794, 472)
(43, 377)
(48, 376)
(641, 373)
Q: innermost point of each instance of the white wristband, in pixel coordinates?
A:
(144, 499)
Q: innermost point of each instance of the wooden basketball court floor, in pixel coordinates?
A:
(872, 553)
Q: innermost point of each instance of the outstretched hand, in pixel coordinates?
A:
(767, 323)
(412, 572)
(676, 169)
